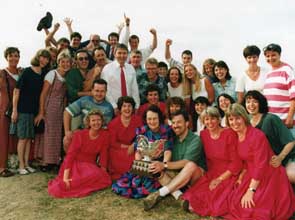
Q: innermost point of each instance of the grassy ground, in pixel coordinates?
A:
(26, 198)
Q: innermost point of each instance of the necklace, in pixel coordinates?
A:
(253, 74)
(216, 134)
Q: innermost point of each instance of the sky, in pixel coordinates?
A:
(218, 29)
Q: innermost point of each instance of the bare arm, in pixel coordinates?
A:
(66, 178)
(167, 49)
(289, 120)
(210, 90)
(50, 36)
(68, 22)
(155, 39)
(44, 93)
(14, 104)
(67, 122)
(276, 160)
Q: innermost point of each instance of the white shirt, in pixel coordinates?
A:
(112, 74)
(178, 91)
(50, 76)
(245, 83)
(202, 92)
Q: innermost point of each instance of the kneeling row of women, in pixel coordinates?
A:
(244, 179)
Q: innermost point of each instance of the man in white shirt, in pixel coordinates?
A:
(121, 78)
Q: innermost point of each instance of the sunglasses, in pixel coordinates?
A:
(83, 58)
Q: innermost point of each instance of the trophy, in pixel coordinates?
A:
(149, 151)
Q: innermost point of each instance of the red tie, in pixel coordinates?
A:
(123, 83)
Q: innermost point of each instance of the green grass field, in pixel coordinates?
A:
(26, 198)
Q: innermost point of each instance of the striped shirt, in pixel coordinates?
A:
(279, 89)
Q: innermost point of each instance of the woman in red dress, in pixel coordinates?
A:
(122, 133)
(208, 196)
(79, 174)
(263, 191)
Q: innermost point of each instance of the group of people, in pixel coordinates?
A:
(227, 145)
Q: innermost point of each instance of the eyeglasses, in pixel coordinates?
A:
(95, 40)
(82, 58)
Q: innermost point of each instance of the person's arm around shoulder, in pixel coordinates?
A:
(210, 90)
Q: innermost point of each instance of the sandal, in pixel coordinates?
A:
(6, 173)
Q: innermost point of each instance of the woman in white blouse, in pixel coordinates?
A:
(254, 76)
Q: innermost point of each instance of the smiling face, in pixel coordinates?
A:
(43, 61)
(100, 57)
(95, 122)
(174, 108)
(121, 56)
(133, 43)
(189, 72)
(252, 60)
(174, 76)
(99, 92)
(13, 59)
(220, 73)
(151, 71)
(179, 125)
(224, 103)
(64, 65)
(126, 109)
(153, 121)
(273, 58)
(252, 106)
(200, 107)
(237, 123)
(186, 59)
(153, 97)
(82, 60)
(208, 69)
(135, 60)
(211, 123)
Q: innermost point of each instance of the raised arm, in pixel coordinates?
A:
(124, 38)
(155, 39)
(68, 22)
(167, 49)
(50, 36)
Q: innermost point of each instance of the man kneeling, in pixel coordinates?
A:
(183, 169)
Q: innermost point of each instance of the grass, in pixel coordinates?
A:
(26, 198)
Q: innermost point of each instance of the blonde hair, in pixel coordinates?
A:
(211, 112)
(237, 110)
(208, 61)
(64, 54)
(86, 119)
(187, 83)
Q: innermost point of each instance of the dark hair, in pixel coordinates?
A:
(152, 88)
(174, 101)
(113, 34)
(81, 51)
(222, 64)
(121, 46)
(133, 37)
(75, 34)
(99, 81)
(162, 64)
(251, 50)
(155, 109)
(181, 112)
(179, 74)
(187, 52)
(125, 99)
(273, 47)
(10, 50)
(63, 40)
(99, 48)
(195, 116)
(227, 96)
(254, 94)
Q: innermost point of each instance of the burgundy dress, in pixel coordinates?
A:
(86, 175)
(119, 160)
(274, 198)
(145, 106)
(221, 155)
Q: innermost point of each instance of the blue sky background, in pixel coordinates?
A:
(217, 29)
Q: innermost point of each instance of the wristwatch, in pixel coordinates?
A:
(252, 189)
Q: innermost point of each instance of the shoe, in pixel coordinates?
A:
(45, 22)
(6, 173)
(30, 169)
(152, 199)
(184, 204)
(23, 171)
